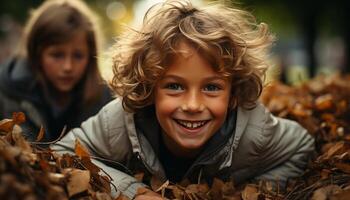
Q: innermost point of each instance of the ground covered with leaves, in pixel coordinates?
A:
(321, 105)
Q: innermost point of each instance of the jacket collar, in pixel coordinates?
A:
(143, 131)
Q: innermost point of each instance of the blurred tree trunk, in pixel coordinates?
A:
(345, 27)
(307, 12)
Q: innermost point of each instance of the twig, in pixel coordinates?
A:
(52, 142)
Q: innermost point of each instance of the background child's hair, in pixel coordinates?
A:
(229, 38)
(56, 22)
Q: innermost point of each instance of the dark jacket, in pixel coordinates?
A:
(20, 91)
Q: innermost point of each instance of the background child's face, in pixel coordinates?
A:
(191, 101)
(64, 64)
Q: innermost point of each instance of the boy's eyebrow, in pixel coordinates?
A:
(210, 78)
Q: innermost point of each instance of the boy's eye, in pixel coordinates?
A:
(211, 87)
(174, 86)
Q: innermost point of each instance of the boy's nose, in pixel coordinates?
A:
(193, 103)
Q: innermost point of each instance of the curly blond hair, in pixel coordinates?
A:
(229, 38)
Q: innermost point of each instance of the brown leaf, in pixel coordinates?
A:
(122, 197)
(78, 181)
(336, 149)
(343, 167)
(341, 195)
(216, 189)
(18, 117)
(325, 173)
(324, 102)
(141, 191)
(250, 192)
(163, 186)
(155, 183)
(102, 196)
(177, 192)
(86, 162)
(6, 125)
(325, 192)
(56, 178)
(198, 188)
(19, 140)
(139, 176)
(300, 111)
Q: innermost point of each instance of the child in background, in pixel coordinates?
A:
(54, 77)
(189, 81)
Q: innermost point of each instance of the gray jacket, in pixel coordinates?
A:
(262, 147)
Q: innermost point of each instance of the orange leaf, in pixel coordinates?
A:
(18, 117)
(80, 150)
(324, 102)
(122, 197)
(6, 125)
(343, 167)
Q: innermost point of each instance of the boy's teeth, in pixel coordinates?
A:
(188, 124)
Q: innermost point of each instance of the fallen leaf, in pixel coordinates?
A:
(325, 192)
(324, 102)
(341, 195)
(78, 181)
(155, 183)
(343, 167)
(18, 117)
(80, 150)
(139, 176)
(250, 192)
(6, 125)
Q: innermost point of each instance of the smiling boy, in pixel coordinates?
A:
(188, 84)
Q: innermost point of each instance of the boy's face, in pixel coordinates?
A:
(191, 101)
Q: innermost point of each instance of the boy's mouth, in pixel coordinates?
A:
(191, 124)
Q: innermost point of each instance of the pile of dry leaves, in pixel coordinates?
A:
(29, 172)
(321, 105)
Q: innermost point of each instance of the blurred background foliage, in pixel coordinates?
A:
(312, 36)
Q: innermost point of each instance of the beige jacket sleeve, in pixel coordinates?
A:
(104, 135)
(272, 148)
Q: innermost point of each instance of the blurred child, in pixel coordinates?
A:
(189, 82)
(54, 78)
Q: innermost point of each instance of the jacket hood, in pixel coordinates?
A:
(17, 80)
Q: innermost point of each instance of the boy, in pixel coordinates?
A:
(188, 83)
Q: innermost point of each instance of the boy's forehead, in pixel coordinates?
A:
(184, 50)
